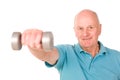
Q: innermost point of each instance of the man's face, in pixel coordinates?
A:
(87, 30)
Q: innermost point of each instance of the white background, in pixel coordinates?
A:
(49, 15)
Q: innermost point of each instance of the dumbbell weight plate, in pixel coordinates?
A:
(16, 41)
(47, 41)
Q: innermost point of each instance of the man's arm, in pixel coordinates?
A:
(32, 39)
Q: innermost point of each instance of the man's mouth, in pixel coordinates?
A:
(86, 38)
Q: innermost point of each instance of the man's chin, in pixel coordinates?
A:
(85, 45)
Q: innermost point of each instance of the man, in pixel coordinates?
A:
(89, 59)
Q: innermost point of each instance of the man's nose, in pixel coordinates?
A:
(85, 32)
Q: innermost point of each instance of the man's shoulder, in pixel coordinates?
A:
(113, 51)
(109, 50)
(65, 45)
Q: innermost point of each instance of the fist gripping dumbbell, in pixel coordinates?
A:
(47, 41)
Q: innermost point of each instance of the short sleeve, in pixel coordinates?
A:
(62, 54)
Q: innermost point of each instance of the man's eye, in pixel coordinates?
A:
(80, 28)
(90, 27)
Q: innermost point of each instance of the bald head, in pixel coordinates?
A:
(87, 16)
(87, 12)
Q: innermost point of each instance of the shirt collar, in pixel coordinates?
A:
(102, 48)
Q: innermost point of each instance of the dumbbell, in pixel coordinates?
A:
(47, 41)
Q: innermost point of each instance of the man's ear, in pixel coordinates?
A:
(100, 28)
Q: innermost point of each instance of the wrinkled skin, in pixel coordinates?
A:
(87, 30)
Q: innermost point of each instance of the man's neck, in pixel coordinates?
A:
(92, 50)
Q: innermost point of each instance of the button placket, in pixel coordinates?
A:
(88, 60)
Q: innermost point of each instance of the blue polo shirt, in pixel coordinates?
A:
(76, 64)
